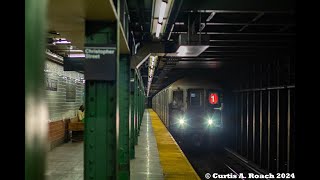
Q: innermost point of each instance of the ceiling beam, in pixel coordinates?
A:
(252, 21)
(236, 33)
(248, 46)
(256, 24)
(243, 5)
(239, 11)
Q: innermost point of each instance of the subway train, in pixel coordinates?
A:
(191, 108)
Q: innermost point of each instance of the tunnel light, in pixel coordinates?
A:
(158, 30)
(210, 121)
(162, 10)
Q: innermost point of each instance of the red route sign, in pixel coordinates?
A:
(213, 98)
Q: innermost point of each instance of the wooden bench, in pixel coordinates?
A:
(77, 130)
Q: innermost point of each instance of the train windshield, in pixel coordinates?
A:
(195, 98)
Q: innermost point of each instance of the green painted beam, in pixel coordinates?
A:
(124, 81)
(136, 110)
(36, 111)
(132, 116)
(100, 141)
(140, 107)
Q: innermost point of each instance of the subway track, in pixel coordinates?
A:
(222, 164)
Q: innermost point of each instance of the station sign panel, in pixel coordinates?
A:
(100, 63)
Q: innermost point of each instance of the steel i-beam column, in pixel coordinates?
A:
(136, 108)
(100, 141)
(124, 160)
(132, 119)
(36, 111)
(140, 107)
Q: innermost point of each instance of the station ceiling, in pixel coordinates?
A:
(239, 31)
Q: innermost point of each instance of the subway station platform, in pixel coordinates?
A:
(146, 164)
(157, 156)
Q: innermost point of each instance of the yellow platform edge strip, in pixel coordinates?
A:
(173, 166)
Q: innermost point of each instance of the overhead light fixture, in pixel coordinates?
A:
(179, 23)
(162, 10)
(211, 16)
(75, 50)
(158, 30)
(61, 42)
(151, 70)
(76, 55)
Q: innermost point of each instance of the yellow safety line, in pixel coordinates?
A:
(174, 163)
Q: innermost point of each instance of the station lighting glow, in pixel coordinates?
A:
(162, 10)
(210, 121)
(151, 69)
(158, 30)
(76, 55)
(62, 42)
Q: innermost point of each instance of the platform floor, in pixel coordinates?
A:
(157, 156)
(146, 164)
(173, 161)
(65, 162)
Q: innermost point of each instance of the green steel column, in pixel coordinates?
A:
(36, 111)
(124, 160)
(132, 118)
(100, 155)
(140, 107)
(136, 108)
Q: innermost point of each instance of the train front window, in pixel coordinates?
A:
(195, 97)
(177, 98)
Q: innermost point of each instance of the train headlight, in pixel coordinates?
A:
(181, 121)
(210, 122)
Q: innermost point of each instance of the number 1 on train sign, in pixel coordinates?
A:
(213, 98)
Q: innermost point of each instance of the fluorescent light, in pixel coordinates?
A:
(75, 50)
(158, 30)
(179, 23)
(162, 10)
(76, 55)
(62, 42)
(211, 16)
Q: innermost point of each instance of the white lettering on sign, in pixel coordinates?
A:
(91, 56)
(92, 53)
(212, 97)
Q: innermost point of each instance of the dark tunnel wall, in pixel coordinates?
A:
(259, 101)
